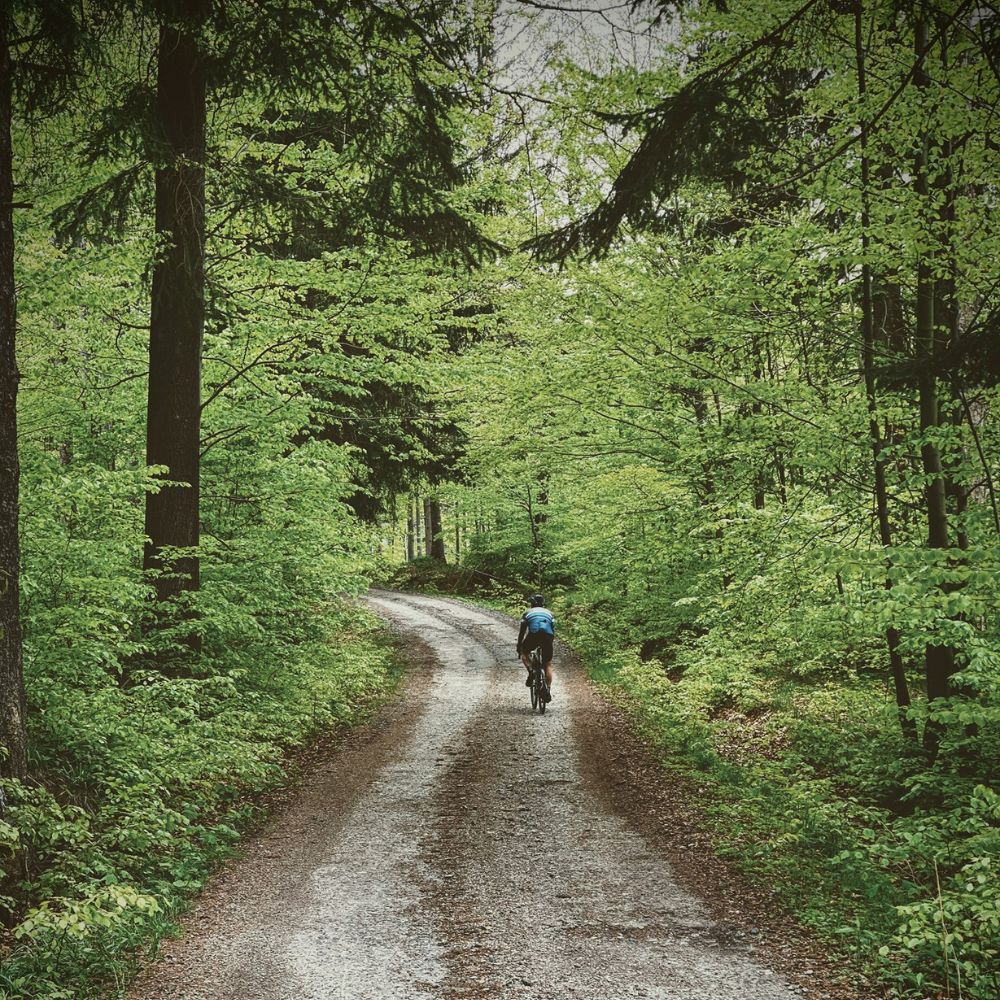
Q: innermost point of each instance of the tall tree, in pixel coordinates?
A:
(299, 75)
(709, 128)
(939, 657)
(177, 313)
(892, 637)
(39, 48)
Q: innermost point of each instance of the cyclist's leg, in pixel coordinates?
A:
(547, 658)
(530, 642)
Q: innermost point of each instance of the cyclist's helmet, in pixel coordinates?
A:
(537, 601)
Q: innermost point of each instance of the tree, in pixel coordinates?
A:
(177, 313)
(892, 638)
(435, 529)
(401, 193)
(40, 46)
(720, 125)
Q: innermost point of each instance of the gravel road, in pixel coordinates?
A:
(461, 847)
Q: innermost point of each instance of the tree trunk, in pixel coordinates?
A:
(948, 322)
(707, 497)
(756, 408)
(939, 659)
(435, 532)
(410, 524)
(778, 456)
(173, 429)
(947, 329)
(542, 500)
(13, 735)
(892, 637)
(533, 523)
(417, 528)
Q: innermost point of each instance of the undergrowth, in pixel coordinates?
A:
(144, 789)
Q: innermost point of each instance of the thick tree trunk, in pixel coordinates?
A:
(892, 636)
(173, 430)
(13, 736)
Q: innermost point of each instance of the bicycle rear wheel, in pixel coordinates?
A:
(536, 681)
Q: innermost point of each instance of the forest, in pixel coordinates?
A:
(685, 314)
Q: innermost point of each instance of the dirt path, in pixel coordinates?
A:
(459, 847)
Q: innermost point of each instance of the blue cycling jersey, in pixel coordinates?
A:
(539, 620)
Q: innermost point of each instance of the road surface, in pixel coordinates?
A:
(460, 848)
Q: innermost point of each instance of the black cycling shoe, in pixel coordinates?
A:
(527, 682)
(547, 695)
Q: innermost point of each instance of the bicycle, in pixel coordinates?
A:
(539, 686)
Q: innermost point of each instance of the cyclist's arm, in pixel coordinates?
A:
(520, 635)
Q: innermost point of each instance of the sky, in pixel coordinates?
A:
(596, 33)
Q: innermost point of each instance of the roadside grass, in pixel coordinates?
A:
(145, 790)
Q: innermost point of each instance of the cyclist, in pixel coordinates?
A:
(538, 627)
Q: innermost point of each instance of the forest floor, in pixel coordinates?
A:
(461, 846)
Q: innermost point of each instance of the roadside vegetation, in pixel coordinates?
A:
(142, 791)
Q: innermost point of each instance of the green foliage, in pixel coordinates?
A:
(147, 776)
(674, 440)
(152, 783)
(954, 936)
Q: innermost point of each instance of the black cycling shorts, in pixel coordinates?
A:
(541, 640)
